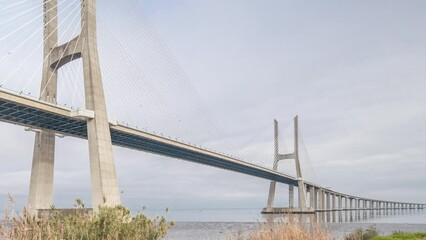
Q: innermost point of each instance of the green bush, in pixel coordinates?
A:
(361, 234)
(107, 224)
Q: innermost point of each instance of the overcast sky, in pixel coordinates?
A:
(354, 71)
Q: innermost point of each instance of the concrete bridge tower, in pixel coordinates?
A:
(102, 168)
(302, 204)
(41, 185)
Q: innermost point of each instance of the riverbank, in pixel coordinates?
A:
(222, 230)
(402, 236)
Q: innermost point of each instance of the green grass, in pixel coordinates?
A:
(372, 234)
(402, 236)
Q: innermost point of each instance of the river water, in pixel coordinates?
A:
(222, 223)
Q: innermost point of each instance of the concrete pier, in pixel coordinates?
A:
(41, 183)
(291, 196)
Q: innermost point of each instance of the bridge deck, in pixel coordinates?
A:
(29, 112)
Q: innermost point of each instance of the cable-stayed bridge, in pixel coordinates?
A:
(44, 116)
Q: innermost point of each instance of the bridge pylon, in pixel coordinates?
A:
(102, 167)
(302, 204)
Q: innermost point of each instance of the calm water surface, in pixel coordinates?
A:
(221, 223)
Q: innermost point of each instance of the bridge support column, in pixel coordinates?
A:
(323, 202)
(346, 203)
(346, 208)
(315, 206)
(320, 199)
(291, 196)
(340, 208)
(334, 207)
(102, 167)
(301, 184)
(272, 186)
(333, 202)
(328, 199)
(312, 196)
(41, 184)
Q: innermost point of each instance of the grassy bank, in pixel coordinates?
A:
(402, 236)
(372, 234)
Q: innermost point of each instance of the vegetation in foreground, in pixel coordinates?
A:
(402, 236)
(361, 234)
(117, 224)
(372, 234)
(294, 231)
(108, 224)
(290, 230)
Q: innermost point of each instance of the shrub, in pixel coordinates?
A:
(361, 234)
(290, 230)
(107, 224)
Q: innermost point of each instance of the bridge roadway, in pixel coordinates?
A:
(35, 114)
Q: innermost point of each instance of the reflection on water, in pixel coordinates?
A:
(219, 224)
(373, 216)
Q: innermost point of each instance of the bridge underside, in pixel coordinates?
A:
(39, 119)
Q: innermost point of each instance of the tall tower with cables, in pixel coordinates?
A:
(102, 167)
(302, 205)
(41, 185)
